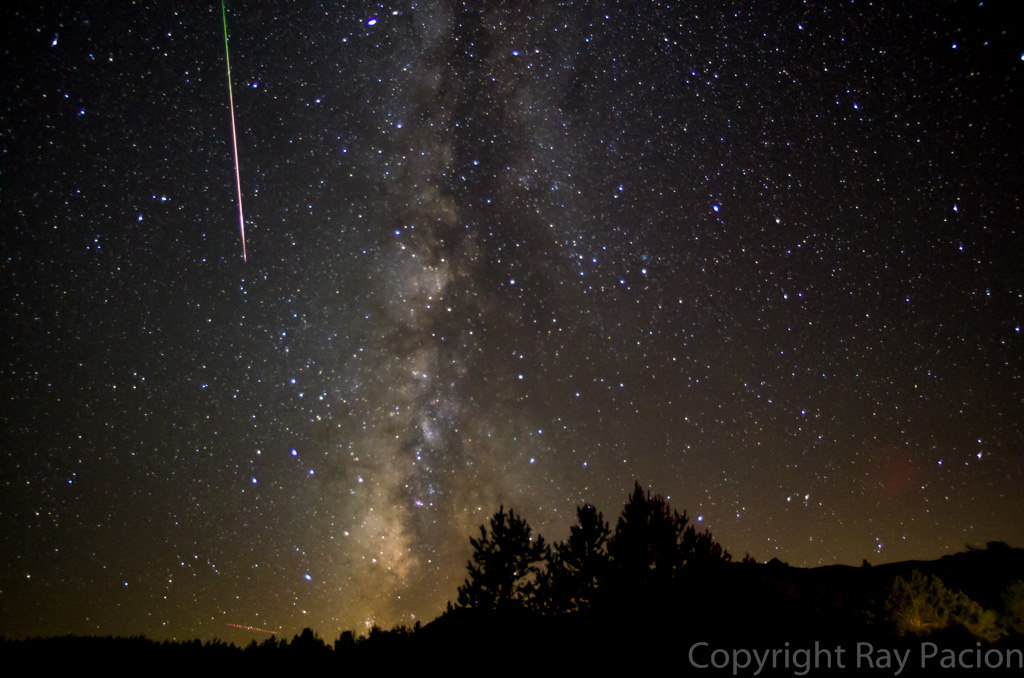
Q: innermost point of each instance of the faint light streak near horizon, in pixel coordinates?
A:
(253, 628)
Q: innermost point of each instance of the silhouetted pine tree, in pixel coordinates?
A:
(506, 564)
(653, 545)
(578, 565)
(701, 550)
(645, 549)
(306, 644)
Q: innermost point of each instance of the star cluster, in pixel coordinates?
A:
(761, 257)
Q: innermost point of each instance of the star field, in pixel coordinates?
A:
(762, 257)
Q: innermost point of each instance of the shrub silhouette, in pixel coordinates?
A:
(923, 605)
(1013, 607)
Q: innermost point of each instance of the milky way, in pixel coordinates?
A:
(760, 257)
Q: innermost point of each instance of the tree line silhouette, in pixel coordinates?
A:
(657, 582)
(652, 551)
(650, 586)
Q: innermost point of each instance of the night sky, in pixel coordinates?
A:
(762, 257)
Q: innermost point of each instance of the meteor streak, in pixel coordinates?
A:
(253, 628)
(234, 133)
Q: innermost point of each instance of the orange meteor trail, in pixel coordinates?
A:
(253, 628)
(234, 133)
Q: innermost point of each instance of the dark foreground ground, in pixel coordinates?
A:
(734, 619)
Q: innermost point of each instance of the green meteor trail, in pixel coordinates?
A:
(234, 132)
